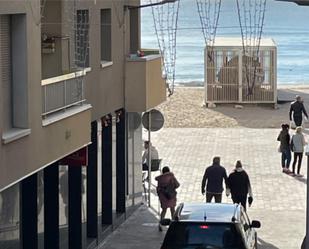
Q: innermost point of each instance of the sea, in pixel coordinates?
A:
(285, 22)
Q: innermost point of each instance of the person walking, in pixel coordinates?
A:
(297, 108)
(239, 184)
(153, 154)
(166, 189)
(297, 146)
(284, 138)
(213, 179)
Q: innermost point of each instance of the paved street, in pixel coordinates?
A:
(279, 199)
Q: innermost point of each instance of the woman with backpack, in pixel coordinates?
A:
(166, 189)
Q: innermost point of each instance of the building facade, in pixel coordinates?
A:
(72, 93)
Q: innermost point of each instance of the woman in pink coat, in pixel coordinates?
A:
(166, 189)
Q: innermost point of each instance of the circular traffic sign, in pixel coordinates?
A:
(156, 120)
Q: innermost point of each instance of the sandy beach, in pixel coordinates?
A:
(185, 109)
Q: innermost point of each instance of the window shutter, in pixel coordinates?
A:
(5, 69)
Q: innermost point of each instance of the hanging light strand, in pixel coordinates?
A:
(165, 18)
(251, 15)
(209, 13)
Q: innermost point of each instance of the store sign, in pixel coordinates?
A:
(77, 158)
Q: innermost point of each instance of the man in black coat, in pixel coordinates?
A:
(214, 176)
(240, 186)
(297, 108)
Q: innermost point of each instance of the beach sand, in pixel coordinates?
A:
(185, 109)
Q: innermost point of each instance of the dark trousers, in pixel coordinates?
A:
(298, 155)
(285, 158)
(218, 197)
(298, 120)
(144, 167)
(240, 199)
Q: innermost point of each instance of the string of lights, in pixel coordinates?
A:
(209, 13)
(251, 15)
(165, 18)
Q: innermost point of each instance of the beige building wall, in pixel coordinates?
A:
(25, 151)
(145, 87)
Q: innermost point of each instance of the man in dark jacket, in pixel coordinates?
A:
(240, 186)
(214, 176)
(297, 108)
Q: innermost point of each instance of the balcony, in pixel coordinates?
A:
(63, 96)
(145, 87)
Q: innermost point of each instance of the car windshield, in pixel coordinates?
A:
(193, 235)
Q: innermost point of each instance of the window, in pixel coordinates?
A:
(13, 70)
(82, 39)
(63, 206)
(106, 35)
(134, 31)
(194, 234)
(6, 68)
(40, 201)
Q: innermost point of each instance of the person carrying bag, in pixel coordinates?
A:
(166, 189)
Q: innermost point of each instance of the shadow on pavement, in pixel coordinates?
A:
(301, 179)
(140, 231)
(264, 115)
(288, 95)
(255, 116)
(264, 245)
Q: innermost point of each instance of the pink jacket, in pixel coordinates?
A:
(164, 180)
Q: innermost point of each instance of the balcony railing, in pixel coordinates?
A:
(62, 92)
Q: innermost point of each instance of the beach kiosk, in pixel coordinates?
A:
(234, 77)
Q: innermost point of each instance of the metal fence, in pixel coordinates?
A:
(62, 93)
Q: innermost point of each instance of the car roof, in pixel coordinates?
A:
(209, 212)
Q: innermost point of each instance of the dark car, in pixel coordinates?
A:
(210, 226)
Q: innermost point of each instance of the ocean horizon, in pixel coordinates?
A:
(284, 23)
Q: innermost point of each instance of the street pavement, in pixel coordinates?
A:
(279, 199)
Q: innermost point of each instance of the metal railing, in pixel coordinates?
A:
(62, 92)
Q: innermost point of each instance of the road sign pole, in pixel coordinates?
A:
(307, 206)
(149, 158)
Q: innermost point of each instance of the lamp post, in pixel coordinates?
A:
(149, 160)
